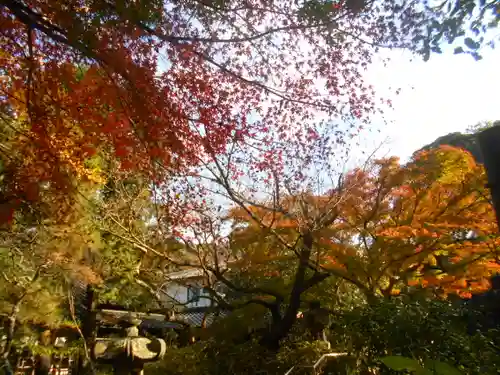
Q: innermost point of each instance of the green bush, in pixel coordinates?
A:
(420, 329)
(248, 358)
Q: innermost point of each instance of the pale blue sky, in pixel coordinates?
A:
(446, 94)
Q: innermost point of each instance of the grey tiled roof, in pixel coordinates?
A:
(194, 317)
(185, 274)
(155, 324)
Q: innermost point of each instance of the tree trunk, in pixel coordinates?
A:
(488, 142)
(280, 329)
(11, 329)
(10, 336)
(42, 364)
(88, 333)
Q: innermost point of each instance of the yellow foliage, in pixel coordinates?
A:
(427, 223)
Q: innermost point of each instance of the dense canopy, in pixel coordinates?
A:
(139, 138)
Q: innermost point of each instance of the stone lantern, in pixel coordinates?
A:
(129, 353)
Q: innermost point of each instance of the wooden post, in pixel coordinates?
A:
(489, 142)
(88, 331)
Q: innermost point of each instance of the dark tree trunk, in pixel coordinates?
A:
(42, 365)
(281, 328)
(88, 332)
(11, 329)
(88, 327)
(489, 142)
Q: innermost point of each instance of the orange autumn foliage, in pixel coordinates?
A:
(161, 86)
(428, 223)
(76, 83)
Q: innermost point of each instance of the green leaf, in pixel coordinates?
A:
(476, 56)
(458, 50)
(441, 368)
(471, 43)
(399, 363)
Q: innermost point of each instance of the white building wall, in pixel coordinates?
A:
(180, 294)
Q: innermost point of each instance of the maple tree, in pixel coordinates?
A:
(181, 101)
(427, 223)
(298, 222)
(382, 227)
(141, 215)
(80, 77)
